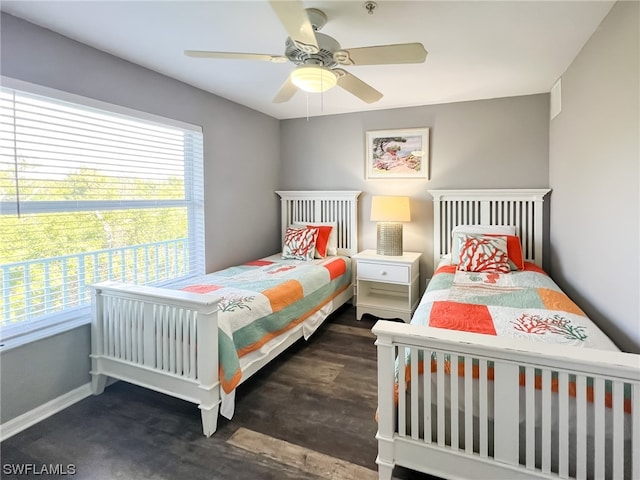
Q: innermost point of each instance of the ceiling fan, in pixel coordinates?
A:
(317, 56)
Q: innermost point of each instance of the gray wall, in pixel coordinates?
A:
(499, 143)
(232, 179)
(594, 172)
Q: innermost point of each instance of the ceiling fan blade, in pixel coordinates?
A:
(357, 87)
(296, 21)
(382, 54)
(285, 93)
(235, 56)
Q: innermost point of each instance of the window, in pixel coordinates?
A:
(90, 194)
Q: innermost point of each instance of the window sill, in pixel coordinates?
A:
(16, 336)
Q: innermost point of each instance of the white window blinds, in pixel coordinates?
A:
(88, 195)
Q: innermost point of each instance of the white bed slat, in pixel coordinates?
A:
(468, 404)
(506, 412)
(127, 333)
(581, 427)
(440, 396)
(157, 362)
(530, 421)
(546, 421)
(110, 348)
(563, 425)
(426, 404)
(164, 340)
(599, 427)
(132, 339)
(172, 340)
(193, 345)
(455, 441)
(149, 333)
(483, 417)
(122, 328)
(118, 335)
(185, 345)
(618, 429)
(415, 416)
(115, 339)
(106, 322)
(402, 388)
(530, 251)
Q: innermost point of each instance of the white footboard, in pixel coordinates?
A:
(160, 339)
(528, 410)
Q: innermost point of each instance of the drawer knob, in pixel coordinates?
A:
(383, 272)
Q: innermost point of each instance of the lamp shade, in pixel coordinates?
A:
(390, 209)
(313, 78)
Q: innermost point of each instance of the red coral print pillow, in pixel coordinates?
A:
(299, 243)
(480, 253)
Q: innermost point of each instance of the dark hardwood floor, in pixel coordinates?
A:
(307, 415)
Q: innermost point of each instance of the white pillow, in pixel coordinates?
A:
(477, 229)
(332, 244)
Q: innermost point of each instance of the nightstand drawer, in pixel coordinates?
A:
(383, 273)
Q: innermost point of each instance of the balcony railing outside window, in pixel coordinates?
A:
(40, 287)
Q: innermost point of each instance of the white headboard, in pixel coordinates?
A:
(339, 207)
(520, 207)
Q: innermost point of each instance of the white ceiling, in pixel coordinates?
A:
(477, 49)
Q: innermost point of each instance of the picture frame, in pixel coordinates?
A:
(397, 153)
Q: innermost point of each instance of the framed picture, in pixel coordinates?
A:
(402, 153)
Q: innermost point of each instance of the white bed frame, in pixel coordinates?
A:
(406, 438)
(149, 336)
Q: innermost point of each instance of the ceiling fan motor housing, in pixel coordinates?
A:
(327, 47)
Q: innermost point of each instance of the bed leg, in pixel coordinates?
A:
(98, 382)
(385, 471)
(209, 419)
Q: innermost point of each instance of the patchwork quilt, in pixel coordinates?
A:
(265, 298)
(524, 304)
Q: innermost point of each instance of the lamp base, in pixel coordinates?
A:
(389, 239)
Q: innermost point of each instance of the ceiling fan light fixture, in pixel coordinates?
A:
(313, 78)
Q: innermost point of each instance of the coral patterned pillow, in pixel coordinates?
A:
(479, 253)
(514, 250)
(299, 243)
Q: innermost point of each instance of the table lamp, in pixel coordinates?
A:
(389, 212)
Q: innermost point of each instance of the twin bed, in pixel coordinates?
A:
(202, 337)
(486, 382)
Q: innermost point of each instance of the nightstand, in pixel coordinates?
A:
(387, 286)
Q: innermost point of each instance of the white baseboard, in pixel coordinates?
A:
(26, 420)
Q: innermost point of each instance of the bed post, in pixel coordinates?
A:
(386, 404)
(208, 382)
(98, 381)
